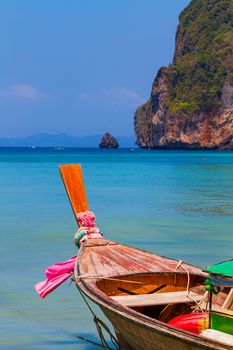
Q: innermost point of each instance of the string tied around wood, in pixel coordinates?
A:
(87, 228)
(100, 326)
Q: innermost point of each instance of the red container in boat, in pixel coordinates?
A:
(194, 323)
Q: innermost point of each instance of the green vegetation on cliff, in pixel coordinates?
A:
(203, 58)
(144, 126)
(191, 103)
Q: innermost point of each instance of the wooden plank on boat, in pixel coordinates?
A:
(117, 259)
(157, 299)
(221, 309)
(229, 300)
(221, 337)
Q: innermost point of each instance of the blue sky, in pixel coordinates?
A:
(81, 66)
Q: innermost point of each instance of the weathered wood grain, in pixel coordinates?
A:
(137, 331)
(157, 299)
(101, 273)
(74, 184)
(111, 259)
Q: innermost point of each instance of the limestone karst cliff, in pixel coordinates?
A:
(191, 103)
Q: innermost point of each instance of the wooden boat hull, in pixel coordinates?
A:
(139, 292)
(133, 334)
(99, 262)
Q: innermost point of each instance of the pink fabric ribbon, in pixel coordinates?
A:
(86, 218)
(56, 274)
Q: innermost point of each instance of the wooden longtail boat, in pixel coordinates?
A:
(140, 292)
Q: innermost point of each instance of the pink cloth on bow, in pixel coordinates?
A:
(86, 218)
(56, 274)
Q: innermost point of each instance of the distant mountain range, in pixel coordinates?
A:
(62, 140)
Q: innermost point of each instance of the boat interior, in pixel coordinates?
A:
(161, 296)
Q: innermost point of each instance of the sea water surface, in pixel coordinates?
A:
(178, 204)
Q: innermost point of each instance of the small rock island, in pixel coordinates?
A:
(108, 141)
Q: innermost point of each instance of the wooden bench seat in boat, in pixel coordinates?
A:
(157, 299)
(221, 337)
(222, 309)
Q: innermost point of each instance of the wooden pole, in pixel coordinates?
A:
(210, 308)
(74, 184)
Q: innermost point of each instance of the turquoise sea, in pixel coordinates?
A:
(175, 203)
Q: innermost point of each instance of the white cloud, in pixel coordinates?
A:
(24, 91)
(88, 97)
(123, 95)
(115, 95)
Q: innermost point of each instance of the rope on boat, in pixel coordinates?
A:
(101, 325)
(90, 341)
(198, 304)
(205, 301)
(180, 262)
